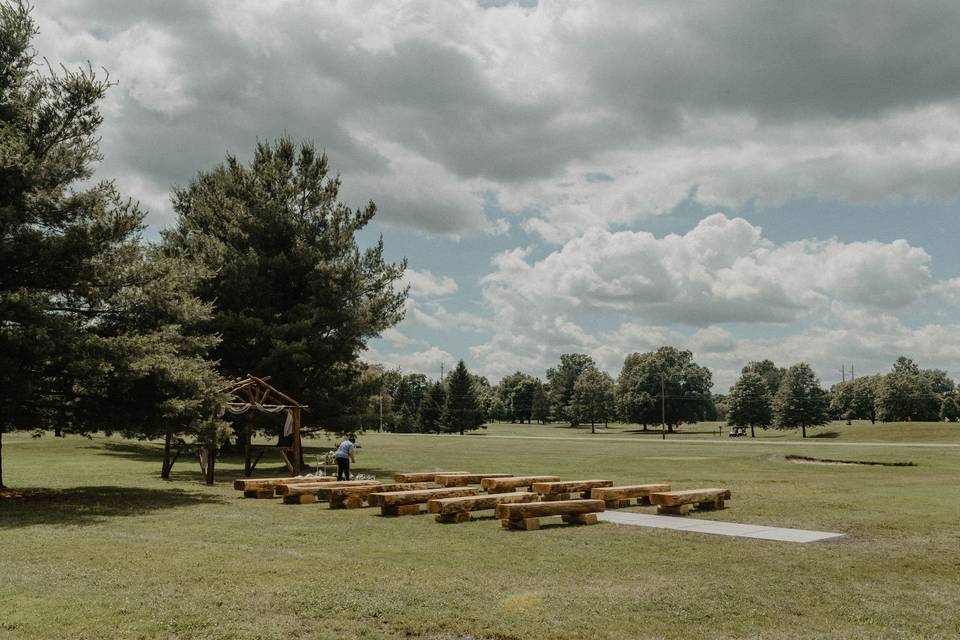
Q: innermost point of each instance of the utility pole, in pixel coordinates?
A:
(663, 407)
(441, 371)
(843, 373)
(381, 408)
(852, 377)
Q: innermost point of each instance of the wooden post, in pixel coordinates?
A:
(297, 446)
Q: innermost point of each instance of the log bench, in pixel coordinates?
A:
(354, 497)
(565, 490)
(404, 503)
(526, 516)
(619, 497)
(450, 510)
(463, 479)
(678, 503)
(309, 493)
(425, 476)
(264, 487)
(506, 485)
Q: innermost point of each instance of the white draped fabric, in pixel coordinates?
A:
(238, 409)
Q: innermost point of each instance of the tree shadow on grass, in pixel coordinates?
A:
(826, 434)
(91, 505)
(187, 469)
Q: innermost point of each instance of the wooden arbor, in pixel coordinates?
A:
(256, 394)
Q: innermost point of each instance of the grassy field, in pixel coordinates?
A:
(100, 547)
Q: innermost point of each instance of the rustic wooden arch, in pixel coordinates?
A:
(260, 395)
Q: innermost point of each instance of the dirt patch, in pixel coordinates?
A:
(867, 463)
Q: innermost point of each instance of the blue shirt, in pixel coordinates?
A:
(345, 449)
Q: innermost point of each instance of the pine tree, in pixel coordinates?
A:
(296, 298)
(431, 409)
(90, 319)
(461, 412)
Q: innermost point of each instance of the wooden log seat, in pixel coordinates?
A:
(678, 503)
(425, 476)
(354, 497)
(619, 497)
(309, 493)
(526, 516)
(403, 503)
(254, 485)
(463, 479)
(458, 509)
(565, 490)
(512, 483)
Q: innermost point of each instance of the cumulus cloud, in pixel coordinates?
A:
(424, 284)
(611, 293)
(426, 361)
(723, 270)
(593, 113)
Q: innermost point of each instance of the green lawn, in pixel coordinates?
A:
(100, 547)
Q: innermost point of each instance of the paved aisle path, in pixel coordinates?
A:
(716, 528)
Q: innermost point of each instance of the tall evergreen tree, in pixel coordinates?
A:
(431, 409)
(462, 410)
(296, 298)
(800, 400)
(91, 321)
(749, 403)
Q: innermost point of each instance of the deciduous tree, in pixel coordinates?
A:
(749, 403)
(665, 383)
(592, 398)
(561, 380)
(800, 400)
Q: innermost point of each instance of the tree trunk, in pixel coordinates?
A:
(803, 428)
(1, 460)
(211, 459)
(246, 446)
(165, 470)
(57, 432)
(752, 434)
(593, 426)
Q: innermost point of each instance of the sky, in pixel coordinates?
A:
(745, 179)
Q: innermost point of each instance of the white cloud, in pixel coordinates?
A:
(424, 284)
(426, 361)
(397, 338)
(723, 270)
(832, 299)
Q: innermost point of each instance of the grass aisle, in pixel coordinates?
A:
(101, 547)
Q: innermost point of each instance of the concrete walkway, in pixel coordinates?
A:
(717, 528)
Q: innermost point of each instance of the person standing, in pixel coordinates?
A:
(344, 456)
